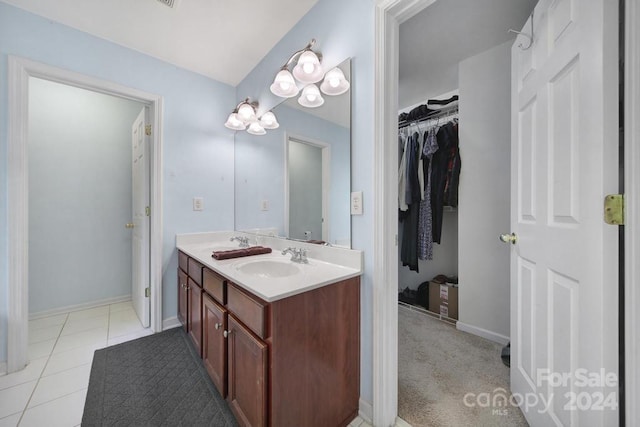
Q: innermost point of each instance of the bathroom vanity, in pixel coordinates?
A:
(280, 340)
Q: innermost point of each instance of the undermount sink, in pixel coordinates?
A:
(268, 268)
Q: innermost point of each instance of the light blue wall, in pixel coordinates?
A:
(79, 195)
(342, 29)
(260, 171)
(198, 149)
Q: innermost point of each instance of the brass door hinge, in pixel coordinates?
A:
(147, 292)
(614, 209)
(147, 130)
(147, 211)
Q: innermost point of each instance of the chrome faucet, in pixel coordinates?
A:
(298, 255)
(244, 241)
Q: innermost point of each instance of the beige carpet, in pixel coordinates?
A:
(438, 366)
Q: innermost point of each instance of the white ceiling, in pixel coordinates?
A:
(433, 42)
(221, 39)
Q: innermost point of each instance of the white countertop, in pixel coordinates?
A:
(326, 264)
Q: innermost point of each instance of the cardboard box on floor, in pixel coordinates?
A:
(443, 299)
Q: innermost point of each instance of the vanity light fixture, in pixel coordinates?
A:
(244, 116)
(308, 71)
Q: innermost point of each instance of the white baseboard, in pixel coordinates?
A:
(77, 307)
(170, 323)
(3, 368)
(401, 423)
(365, 411)
(492, 336)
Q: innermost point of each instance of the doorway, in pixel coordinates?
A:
(389, 16)
(307, 182)
(445, 87)
(20, 73)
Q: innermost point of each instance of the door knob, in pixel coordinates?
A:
(509, 238)
(129, 225)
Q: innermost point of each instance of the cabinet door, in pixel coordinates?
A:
(247, 375)
(182, 298)
(214, 346)
(195, 315)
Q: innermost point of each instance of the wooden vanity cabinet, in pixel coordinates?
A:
(183, 297)
(183, 291)
(194, 299)
(291, 362)
(214, 344)
(247, 375)
(194, 324)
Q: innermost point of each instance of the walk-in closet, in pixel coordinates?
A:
(454, 138)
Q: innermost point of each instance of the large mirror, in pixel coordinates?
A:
(295, 181)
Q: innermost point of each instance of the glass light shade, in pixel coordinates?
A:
(234, 122)
(334, 82)
(246, 113)
(284, 85)
(308, 68)
(269, 121)
(256, 129)
(311, 97)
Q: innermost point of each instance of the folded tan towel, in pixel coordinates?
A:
(237, 253)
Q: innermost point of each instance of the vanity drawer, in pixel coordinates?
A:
(195, 271)
(183, 261)
(214, 285)
(249, 309)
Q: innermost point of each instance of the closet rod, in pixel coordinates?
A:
(442, 112)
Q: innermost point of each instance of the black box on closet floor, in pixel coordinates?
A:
(443, 299)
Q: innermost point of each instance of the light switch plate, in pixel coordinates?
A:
(264, 205)
(198, 204)
(356, 203)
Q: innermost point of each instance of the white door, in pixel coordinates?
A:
(564, 307)
(140, 240)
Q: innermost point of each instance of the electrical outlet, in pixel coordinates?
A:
(198, 204)
(356, 203)
(264, 205)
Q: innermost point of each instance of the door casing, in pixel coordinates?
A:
(19, 71)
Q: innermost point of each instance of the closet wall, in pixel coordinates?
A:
(484, 192)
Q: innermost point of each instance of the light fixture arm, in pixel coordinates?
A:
(297, 54)
(247, 101)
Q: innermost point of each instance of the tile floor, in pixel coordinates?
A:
(51, 390)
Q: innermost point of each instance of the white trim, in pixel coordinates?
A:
(170, 323)
(389, 14)
(78, 307)
(365, 410)
(19, 71)
(632, 210)
(484, 333)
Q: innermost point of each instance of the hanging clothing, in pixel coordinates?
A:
(402, 173)
(425, 220)
(447, 137)
(453, 172)
(428, 176)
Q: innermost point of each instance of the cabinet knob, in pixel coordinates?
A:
(226, 334)
(218, 325)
